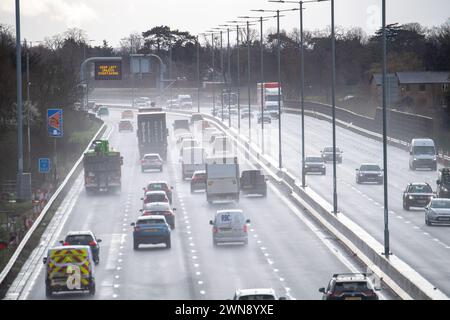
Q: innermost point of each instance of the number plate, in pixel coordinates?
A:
(353, 298)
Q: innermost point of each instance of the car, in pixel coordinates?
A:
(215, 110)
(103, 111)
(422, 154)
(246, 114)
(437, 212)
(443, 183)
(142, 101)
(417, 195)
(196, 117)
(315, 164)
(151, 230)
(83, 238)
(172, 104)
(125, 125)
(229, 226)
(185, 101)
(369, 172)
(160, 209)
(155, 196)
(266, 118)
(188, 143)
(349, 286)
(257, 294)
(152, 161)
(158, 186)
(198, 181)
(327, 154)
(60, 266)
(253, 182)
(225, 114)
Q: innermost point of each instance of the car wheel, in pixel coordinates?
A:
(246, 242)
(135, 245)
(324, 173)
(48, 291)
(97, 261)
(215, 243)
(427, 222)
(405, 206)
(434, 168)
(413, 167)
(92, 288)
(161, 169)
(357, 181)
(168, 244)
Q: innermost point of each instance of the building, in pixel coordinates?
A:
(421, 90)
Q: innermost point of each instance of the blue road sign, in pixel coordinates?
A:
(55, 122)
(44, 165)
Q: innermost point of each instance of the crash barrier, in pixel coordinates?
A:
(399, 276)
(362, 130)
(60, 192)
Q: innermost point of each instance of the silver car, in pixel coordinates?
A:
(437, 212)
(230, 226)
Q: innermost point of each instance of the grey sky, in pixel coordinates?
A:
(115, 19)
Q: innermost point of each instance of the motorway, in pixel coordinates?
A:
(287, 250)
(425, 248)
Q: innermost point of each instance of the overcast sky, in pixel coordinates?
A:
(115, 19)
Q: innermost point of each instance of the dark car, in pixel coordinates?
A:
(327, 154)
(253, 182)
(443, 183)
(315, 164)
(266, 118)
(84, 238)
(246, 114)
(151, 230)
(198, 181)
(160, 209)
(349, 286)
(152, 161)
(417, 195)
(369, 173)
(159, 186)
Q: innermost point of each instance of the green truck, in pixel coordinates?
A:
(102, 168)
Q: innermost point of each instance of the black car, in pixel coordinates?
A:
(369, 173)
(349, 286)
(417, 195)
(253, 182)
(84, 238)
(443, 183)
(315, 164)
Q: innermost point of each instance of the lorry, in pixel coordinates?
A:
(253, 182)
(193, 159)
(267, 94)
(152, 133)
(102, 168)
(222, 180)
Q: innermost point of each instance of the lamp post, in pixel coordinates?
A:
(221, 62)
(280, 159)
(198, 76)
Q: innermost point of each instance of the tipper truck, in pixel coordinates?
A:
(152, 133)
(102, 168)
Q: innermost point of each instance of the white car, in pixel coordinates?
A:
(257, 294)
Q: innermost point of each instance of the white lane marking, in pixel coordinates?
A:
(113, 251)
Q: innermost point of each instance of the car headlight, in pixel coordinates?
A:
(323, 166)
(380, 174)
(444, 189)
(411, 197)
(306, 166)
(361, 174)
(434, 158)
(415, 159)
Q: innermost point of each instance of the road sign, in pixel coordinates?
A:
(44, 165)
(108, 70)
(55, 122)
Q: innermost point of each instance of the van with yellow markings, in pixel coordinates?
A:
(69, 269)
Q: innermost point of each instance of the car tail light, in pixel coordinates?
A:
(66, 243)
(143, 161)
(137, 228)
(92, 243)
(245, 228)
(168, 213)
(369, 293)
(215, 230)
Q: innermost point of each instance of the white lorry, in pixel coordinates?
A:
(222, 180)
(193, 159)
(267, 92)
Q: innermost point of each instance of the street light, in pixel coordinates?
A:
(198, 76)
(221, 59)
(302, 81)
(261, 19)
(280, 159)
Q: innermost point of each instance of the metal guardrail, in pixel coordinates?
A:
(49, 204)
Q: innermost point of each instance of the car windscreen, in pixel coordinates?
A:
(424, 150)
(151, 158)
(158, 207)
(156, 198)
(445, 177)
(313, 159)
(370, 167)
(440, 204)
(157, 186)
(258, 297)
(420, 189)
(151, 221)
(330, 150)
(351, 286)
(272, 98)
(83, 239)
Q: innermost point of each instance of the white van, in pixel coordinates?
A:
(422, 154)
